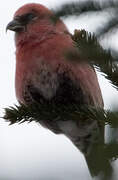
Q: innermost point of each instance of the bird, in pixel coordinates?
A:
(45, 75)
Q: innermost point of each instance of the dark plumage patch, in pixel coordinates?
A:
(67, 93)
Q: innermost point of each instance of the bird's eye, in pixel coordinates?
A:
(26, 18)
(29, 16)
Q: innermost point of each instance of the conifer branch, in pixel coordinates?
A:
(107, 28)
(90, 50)
(37, 113)
(86, 7)
(82, 7)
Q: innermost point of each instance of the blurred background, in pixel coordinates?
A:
(28, 151)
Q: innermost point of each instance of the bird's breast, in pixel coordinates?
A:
(49, 85)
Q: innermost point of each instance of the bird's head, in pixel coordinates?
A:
(28, 14)
(32, 16)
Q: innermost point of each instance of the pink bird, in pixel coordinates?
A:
(43, 72)
(45, 75)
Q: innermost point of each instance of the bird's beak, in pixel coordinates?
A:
(15, 25)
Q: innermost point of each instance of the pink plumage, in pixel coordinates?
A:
(43, 72)
(41, 45)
